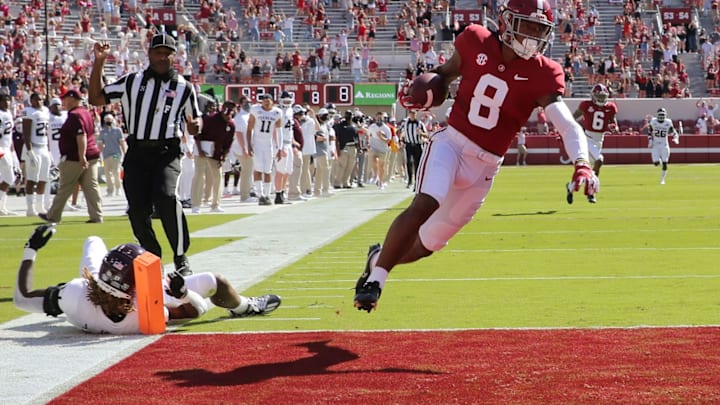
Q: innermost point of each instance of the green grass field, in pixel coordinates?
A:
(645, 254)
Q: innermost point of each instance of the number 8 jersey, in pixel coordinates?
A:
(495, 98)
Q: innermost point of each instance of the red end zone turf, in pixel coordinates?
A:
(648, 365)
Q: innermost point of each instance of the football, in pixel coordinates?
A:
(428, 90)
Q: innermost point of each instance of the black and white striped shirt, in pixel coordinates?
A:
(153, 109)
(412, 130)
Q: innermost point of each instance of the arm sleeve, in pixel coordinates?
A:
(571, 132)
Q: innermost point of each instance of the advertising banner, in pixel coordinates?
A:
(375, 93)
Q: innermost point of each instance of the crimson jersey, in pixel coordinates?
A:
(495, 99)
(597, 118)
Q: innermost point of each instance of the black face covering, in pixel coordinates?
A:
(149, 73)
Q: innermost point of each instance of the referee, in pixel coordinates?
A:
(155, 102)
(414, 134)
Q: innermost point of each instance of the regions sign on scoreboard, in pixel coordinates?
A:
(313, 94)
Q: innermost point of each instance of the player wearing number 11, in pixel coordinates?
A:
(504, 78)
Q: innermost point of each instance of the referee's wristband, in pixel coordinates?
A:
(29, 254)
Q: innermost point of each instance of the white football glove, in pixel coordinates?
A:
(676, 139)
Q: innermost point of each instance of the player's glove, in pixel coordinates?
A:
(40, 236)
(584, 175)
(650, 142)
(176, 285)
(407, 101)
(676, 139)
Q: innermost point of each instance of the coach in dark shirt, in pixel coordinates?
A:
(156, 104)
(213, 144)
(78, 161)
(346, 134)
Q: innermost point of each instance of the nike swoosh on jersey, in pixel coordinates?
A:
(518, 77)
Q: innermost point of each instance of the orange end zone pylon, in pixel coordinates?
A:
(149, 290)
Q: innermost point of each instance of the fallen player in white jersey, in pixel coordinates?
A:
(102, 300)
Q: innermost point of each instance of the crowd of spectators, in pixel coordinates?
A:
(645, 61)
(313, 52)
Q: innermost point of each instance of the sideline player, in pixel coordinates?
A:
(7, 153)
(102, 300)
(284, 166)
(659, 129)
(597, 116)
(504, 78)
(36, 120)
(262, 140)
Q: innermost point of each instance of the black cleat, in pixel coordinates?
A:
(569, 196)
(367, 294)
(592, 199)
(182, 266)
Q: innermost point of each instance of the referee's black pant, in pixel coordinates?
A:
(151, 170)
(413, 152)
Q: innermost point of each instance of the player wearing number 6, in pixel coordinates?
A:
(504, 78)
(597, 117)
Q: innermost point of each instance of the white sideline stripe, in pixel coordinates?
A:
(538, 278)
(519, 328)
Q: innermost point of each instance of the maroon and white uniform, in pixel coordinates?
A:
(82, 313)
(494, 100)
(597, 120)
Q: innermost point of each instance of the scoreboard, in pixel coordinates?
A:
(314, 94)
(251, 91)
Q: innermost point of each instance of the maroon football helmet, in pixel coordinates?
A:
(117, 273)
(599, 94)
(529, 20)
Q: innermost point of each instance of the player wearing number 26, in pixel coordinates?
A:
(504, 77)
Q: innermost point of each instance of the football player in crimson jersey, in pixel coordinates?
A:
(102, 299)
(597, 117)
(504, 78)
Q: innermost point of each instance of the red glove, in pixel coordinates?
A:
(584, 175)
(407, 101)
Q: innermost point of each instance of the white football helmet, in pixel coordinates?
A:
(661, 115)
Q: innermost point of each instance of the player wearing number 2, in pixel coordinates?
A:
(504, 78)
(659, 129)
(36, 154)
(597, 117)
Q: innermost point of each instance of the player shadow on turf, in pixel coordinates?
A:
(551, 212)
(325, 357)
